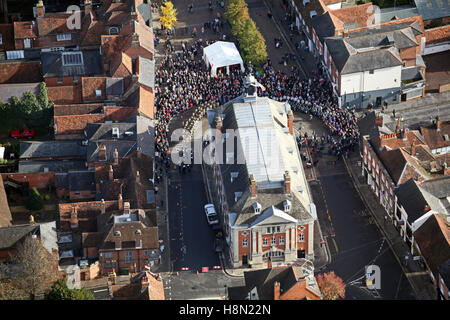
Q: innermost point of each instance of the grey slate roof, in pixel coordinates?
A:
(145, 137)
(9, 236)
(147, 72)
(81, 180)
(114, 86)
(52, 65)
(7, 91)
(124, 148)
(444, 271)
(347, 60)
(145, 10)
(103, 131)
(367, 126)
(323, 25)
(52, 166)
(401, 12)
(51, 149)
(411, 74)
(433, 9)
(411, 199)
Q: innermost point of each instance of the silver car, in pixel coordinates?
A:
(211, 215)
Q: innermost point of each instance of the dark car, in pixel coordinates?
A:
(22, 133)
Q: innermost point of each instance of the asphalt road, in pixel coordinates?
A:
(192, 239)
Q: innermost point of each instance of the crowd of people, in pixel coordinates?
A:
(183, 82)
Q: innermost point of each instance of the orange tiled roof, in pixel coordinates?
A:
(7, 32)
(358, 14)
(20, 72)
(75, 124)
(435, 139)
(89, 85)
(64, 94)
(437, 35)
(53, 24)
(25, 30)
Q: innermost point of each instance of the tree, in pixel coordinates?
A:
(168, 18)
(60, 291)
(234, 8)
(332, 286)
(35, 201)
(239, 24)
(38, 271)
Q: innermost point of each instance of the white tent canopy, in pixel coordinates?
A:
(222, 54)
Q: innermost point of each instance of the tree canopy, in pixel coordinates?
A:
(332, 286)
(60, 291)
(168, 17)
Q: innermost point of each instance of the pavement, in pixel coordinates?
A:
(420, 281)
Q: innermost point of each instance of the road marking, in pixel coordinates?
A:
(335, 245)
(421, 273)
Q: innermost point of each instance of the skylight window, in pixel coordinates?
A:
(72, 58)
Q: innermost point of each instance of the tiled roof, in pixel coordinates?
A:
(436, 139)
(7, 32)
(444, 271)
(5, 213)
(437, 35)
(53, 65)
(72, 109)
(433, 9)
(65, 94)
(433, 239)
(53, 24)
(357, 15)
(51, 149)
(20, 72)
(25, 30)
(75, 124)
(89, 87)
(9, 236)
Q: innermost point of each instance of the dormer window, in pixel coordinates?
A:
(63, 37)
(257, 208)
(287, 205)
(237, 195)
(234, 175)
(98, 93)
(113, 30)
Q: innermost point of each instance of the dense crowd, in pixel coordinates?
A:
(183, 82)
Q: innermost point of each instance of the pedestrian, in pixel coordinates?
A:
(393, 112)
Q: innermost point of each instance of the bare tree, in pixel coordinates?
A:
(38, 271)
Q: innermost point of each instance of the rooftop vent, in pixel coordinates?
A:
(129, 133)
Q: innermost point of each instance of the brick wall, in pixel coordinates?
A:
(444, 87)
(119, 256)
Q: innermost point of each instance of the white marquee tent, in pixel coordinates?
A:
(222, 54)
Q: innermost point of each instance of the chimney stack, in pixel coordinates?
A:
(117, 240)
(40, 9)
(120, 202)
(438, 123)
(144, 282)
(397, 128)
(102, 153)
(253, 185)
(138, 177)
(138, 241)
(103, 207)
(111, 173)
(290, 116)
(276, 290)
(74, 218)
(135, 39)
(287, 182)
(126, 207)
(404, 137)
(116, 156)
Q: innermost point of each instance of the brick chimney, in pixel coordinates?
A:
(102, 153)
(413, 149)
(138, 177)
(74, 218)
(397, 128)
(144, 282)
(120, 202)
(126, 207)
(438, 123)
(117, 240)
(135, 39)
(287, 182)
(276, 290)
(103, 206)
(404, 137)
(290, 116)
(110, 173)
(40, 9)
(138, 241)
(252, 185)
(116, 156)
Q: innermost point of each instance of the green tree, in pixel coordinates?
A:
(234, 8)
(35, 201)
(168, 17)
(60, 291)
(239, 24)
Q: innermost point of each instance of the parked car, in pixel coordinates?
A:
(211, 215)
(22, 133)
